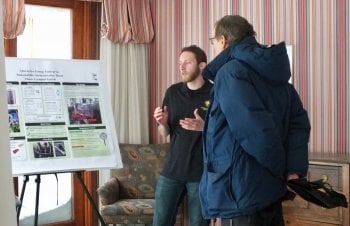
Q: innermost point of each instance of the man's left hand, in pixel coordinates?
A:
(194, 124)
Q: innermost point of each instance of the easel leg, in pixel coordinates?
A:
(26, 179)
(78, 175)
(37, 180)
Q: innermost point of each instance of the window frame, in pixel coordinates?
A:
(86, 35)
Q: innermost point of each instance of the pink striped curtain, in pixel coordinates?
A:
(90, 0)
(127, 21)
(14, 18)
(317, 30)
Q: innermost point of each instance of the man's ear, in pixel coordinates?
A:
(223, 42)
(202, 65)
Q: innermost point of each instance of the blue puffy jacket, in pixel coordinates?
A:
(256, 130)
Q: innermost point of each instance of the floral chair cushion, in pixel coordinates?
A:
(141, 167)
(128, 198)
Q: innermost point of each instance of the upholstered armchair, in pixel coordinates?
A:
(128, 197)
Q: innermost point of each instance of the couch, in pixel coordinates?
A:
(128, 197)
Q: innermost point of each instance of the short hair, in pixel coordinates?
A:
(198, 53)
(234, 28)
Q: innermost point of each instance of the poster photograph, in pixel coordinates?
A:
(60, 118)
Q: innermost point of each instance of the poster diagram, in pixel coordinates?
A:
(59, 116)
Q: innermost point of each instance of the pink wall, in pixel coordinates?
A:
(317, 30)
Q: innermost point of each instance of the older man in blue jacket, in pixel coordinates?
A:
(256, 132)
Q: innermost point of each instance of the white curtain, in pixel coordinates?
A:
(127, 70)
(7, 195)
(126, 67)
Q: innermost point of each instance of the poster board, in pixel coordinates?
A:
(60, 118)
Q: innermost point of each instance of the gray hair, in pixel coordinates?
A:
(234, 28)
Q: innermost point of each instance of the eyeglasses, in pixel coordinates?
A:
(211, 40)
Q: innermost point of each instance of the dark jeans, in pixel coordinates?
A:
(270, 216)
(168, 196)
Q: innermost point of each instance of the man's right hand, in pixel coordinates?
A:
(161, 115)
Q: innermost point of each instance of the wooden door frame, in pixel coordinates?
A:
(86, 35)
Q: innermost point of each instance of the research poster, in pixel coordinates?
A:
(59, 116)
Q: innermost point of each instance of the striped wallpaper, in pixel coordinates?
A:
(318, 31)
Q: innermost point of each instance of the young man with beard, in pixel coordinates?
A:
(181, 116)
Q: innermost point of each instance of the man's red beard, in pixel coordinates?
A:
(191, 77)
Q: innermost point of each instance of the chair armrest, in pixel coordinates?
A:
(109, 192)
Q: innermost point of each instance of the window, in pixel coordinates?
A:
(48, 34)
(84, 27)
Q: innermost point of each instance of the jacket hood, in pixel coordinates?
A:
(271, 62)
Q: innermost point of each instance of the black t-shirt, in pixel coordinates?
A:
(185, 159)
